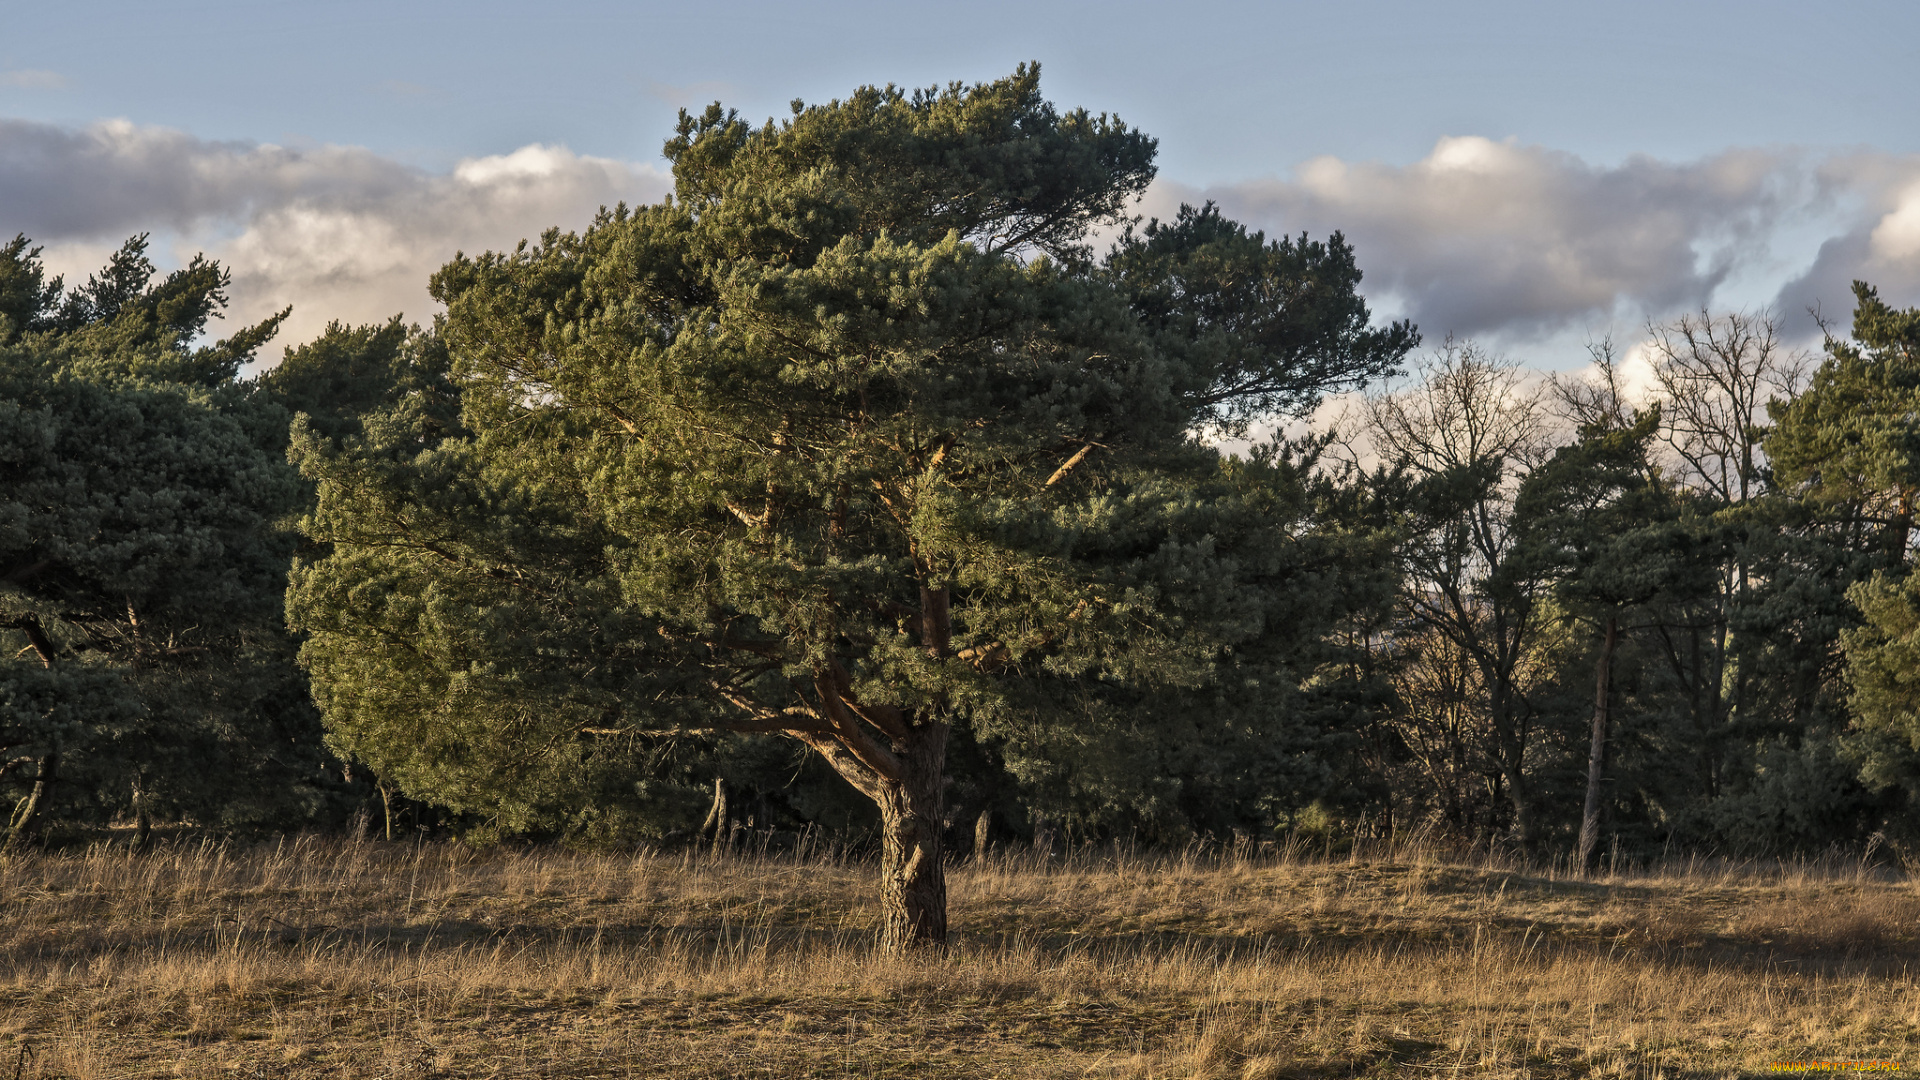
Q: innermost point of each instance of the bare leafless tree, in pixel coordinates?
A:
(1601, 399)
(1715, 375)
(1470, 430)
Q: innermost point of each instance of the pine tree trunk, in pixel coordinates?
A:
(717, 814)
(26, 817)
(142, 820)
(1519, 796)
(913, 873)
(982, 832)
(1597, 752)
(1512, 759)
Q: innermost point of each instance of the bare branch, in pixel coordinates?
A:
(751, 521)
(1079, 456)
(37, 639)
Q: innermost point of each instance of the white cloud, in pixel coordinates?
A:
(1896, 237)
(1483, 237)
(1881, 245)
(338, 232)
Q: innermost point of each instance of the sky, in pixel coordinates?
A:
(1533, 176)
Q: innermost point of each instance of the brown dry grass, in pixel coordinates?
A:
(318, 958)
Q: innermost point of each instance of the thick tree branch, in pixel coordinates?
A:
(936, 621)
(940, 454)
(789, 722)
(891, 721)
(888, 718)
(846, 728)
(620, 417)
(855, 771)
(766, 718)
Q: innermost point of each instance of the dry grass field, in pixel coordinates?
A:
(316, 958)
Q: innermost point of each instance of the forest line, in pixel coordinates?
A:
(853, 477)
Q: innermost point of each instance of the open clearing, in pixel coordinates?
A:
(316, 958)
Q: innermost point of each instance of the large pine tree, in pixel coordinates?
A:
(853, 440)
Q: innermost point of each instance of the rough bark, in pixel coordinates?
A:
(904, 773)
(896, 757)
(982, 832)
(1597, 751)
(913, 874)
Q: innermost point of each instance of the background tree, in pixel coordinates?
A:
(141, 557)
(1601, 523)
(1716, 377)
(1849, 442)
(1726, 731)
(1850, 445)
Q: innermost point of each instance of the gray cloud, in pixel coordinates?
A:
(1484, 237)
(1881, 245)
(1480, 238)
(339, 232)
